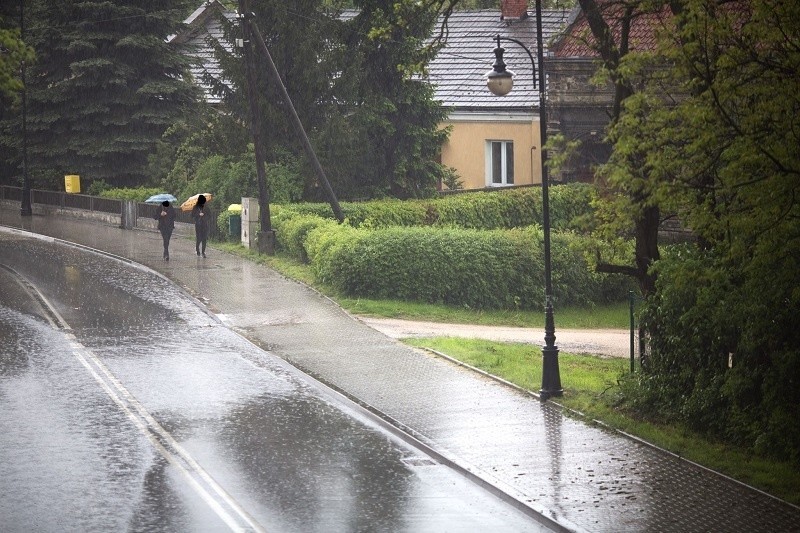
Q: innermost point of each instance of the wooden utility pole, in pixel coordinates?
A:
(301, 132)
(266, 237)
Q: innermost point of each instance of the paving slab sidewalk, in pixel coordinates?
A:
(583, 477)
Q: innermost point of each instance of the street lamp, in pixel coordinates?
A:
(500, 82)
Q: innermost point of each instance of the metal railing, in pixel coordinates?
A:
(12, 194)
(128, 211)
(63, 200)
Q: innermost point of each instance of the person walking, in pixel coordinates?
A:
(200, 225)
(165, 215)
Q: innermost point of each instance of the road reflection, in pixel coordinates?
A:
(143, 412)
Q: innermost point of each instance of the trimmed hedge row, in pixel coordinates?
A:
(570, 208)
(495, 269)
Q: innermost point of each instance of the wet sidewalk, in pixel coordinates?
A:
(583, 477)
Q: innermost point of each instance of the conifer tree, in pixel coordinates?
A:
(104, 88)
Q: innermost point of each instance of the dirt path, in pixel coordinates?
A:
(607, 342)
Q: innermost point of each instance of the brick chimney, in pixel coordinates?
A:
(513, 9)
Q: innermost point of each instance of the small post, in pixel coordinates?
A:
(633, 350)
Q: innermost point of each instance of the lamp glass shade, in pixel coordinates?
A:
(500, 83)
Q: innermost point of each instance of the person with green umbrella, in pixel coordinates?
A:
(165, 215)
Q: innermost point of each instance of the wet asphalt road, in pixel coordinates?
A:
(125, 407)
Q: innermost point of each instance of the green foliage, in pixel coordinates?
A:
(138, 194)
(292, 232)
(451, 179)
(325, 247)
(284, 178)
(703, 317)
(230, 178)
(193, 139)
(97, 187)
(393, 113)
(571, 208)
(713, 137)
(499, 269)
(471, 250)
(490, 210)
(470, 268)
(384, 213)
(223, 225)
(14, 53)
(103, 89)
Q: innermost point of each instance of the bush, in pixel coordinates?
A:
(138, 194)
(570, 208)
(224, 227)
(374, 214)
(96, 187)
(291, 233)
(385, 213)
(702, 315)
(500, 269)
(325, 245)
(514, 208)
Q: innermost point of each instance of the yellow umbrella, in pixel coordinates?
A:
(189, 204)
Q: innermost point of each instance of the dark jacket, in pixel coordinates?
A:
(166, 222)
(200, 222)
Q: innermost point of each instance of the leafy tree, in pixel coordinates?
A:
(298, 36)
(392, 101)
(105, 87)
(610, 24)
(716, 135)
(190, 140)
(13, 52)
(355, 82)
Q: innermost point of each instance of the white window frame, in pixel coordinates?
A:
(506, 176)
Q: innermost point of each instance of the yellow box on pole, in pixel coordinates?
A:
(72, 183)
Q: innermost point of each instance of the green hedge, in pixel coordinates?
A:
(513, 208)
(570, 208)
(497, 269)
(291, 232)
(373, 214)
(138, 194)
(480, 250)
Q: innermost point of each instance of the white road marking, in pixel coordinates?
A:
(235, 516)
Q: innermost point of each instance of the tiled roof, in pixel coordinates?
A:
(202, 25)
(459, 70)
(577, 40)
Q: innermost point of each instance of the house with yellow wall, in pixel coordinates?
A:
(494, 140)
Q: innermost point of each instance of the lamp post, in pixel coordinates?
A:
(500, 82)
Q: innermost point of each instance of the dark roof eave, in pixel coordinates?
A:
(493, 109)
